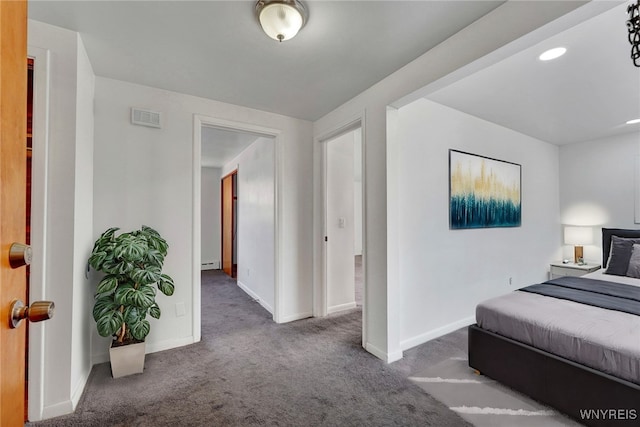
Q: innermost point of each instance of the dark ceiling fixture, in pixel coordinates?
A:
(633, 25)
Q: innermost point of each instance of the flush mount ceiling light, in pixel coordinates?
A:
(633, 122)
(552, 54)
(281, 19)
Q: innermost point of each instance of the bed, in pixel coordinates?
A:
(570, 355)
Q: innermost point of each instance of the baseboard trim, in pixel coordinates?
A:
(256, 297)
(394, 356)
(298, 316)
(341, 307)
(436, 333)
(57, 410)
(99, 358)
(151, 348)
(381, 354)
(169, 344)
(79, 389)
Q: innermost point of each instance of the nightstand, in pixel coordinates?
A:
(559, 269)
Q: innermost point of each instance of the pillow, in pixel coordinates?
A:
(621, 249)
(634, 262)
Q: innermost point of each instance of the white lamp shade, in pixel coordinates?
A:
(280, 21)
(578, 235)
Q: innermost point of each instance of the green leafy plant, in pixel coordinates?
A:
(125, 296)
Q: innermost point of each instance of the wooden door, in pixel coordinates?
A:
(227, 223)
(13, 108)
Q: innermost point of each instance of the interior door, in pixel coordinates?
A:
(13, 109)
(227, 223)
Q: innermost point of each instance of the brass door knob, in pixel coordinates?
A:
(19, 255)
(37, 312)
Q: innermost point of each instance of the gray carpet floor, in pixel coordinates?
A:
(247, 371)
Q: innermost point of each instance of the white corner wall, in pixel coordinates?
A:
(210, 218)
(382, 316)
(83, 230)
(256, 220)
(597, 185)
(65, 348)
(445, 273)
(152, 183)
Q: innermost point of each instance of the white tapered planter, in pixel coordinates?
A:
(127, 359)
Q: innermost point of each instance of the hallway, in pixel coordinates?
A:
(249, 370)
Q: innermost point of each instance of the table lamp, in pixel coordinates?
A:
(578, 236)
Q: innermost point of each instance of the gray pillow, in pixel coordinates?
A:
(634, 262)
(621, 249)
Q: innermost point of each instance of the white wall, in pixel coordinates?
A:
(256, 220)
(153, 185)
(597, 184)
(83, 230)
(381, 323)
(65, 349)
(340, 206)
(357, 192)
(445, 273)
(142, 177)
(210, 229)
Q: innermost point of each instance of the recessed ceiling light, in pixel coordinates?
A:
(554, 53)
(633, 122)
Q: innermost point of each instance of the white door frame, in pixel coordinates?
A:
(39, 170)
(320, 287)
(198, 122)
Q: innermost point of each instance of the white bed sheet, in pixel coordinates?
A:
(606, 340)
(599, 275)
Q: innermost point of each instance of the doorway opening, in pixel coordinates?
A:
(229, 202)
(343, 221)
(237, 227)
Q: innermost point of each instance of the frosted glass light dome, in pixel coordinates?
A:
(280, 20)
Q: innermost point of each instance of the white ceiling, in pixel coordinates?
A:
(220, 146)
(217, 50)
(588, 93)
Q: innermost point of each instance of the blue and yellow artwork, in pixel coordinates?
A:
(483, 192)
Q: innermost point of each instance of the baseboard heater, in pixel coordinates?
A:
(213, 265)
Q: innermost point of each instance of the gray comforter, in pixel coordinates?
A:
(602, 339)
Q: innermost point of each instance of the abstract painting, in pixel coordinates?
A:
(483, 192)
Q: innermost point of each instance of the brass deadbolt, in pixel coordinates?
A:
(19, 255)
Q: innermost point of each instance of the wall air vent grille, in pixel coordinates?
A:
(146, 118)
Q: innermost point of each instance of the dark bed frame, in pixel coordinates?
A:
(565, 385)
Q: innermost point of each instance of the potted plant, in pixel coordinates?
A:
(132, 263)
